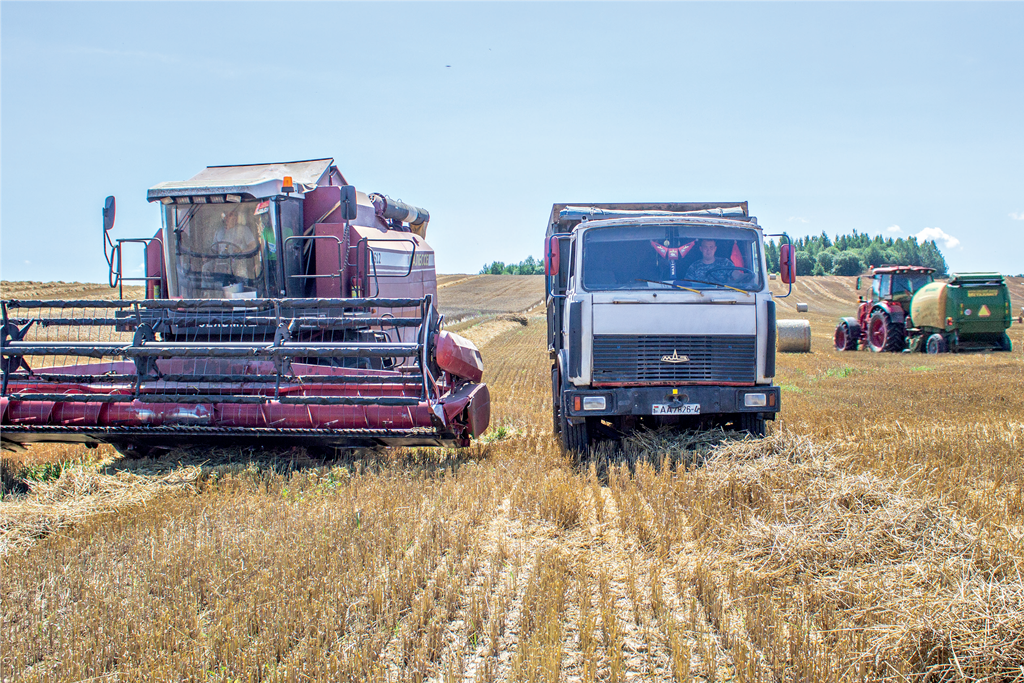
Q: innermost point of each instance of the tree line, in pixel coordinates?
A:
(853, 254)
(528, 266)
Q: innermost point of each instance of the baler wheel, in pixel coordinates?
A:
(884, 334)
(1005, 344)
(844, 338)
(936, 344)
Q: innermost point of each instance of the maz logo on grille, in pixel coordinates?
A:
(675, 358)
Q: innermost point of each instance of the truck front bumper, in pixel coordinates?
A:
(712, 400)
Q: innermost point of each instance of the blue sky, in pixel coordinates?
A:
(889, 119)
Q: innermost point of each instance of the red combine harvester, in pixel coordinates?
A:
(283, 308)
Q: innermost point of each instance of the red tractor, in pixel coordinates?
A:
(282, 307)
(880, 322)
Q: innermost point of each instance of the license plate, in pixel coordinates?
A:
(681, 409)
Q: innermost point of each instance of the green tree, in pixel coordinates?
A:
(847, 263)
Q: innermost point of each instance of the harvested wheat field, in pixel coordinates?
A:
(874, 534)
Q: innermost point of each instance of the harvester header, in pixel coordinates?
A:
(283, 306)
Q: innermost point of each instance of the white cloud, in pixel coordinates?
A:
(1017, 215)
(939, 235)
(893, 228)
(798, 219)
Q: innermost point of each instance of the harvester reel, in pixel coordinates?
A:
(10, 364)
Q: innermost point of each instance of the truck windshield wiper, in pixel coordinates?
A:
(669, 283)
(719, 284)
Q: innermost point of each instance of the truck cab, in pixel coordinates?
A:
(658, 314)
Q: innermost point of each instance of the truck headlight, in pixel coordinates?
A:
(755, 400)
(594, 403)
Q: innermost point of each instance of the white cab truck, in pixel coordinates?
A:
(658, 314)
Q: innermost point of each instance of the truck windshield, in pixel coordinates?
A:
(670, 256)
(222, 251)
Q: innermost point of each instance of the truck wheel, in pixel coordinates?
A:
(575, 439)
(937, 344)
(753, 424)
(884, 334)
(556, 403)
(1004, 343)
(844, 338)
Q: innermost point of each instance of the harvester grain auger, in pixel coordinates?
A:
(283, 308)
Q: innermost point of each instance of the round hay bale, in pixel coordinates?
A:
(801, 308)
(794, 336)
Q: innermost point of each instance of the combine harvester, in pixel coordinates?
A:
(283, 307)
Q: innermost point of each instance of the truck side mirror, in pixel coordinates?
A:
(108, 214)
(787, 263)
(551, 253)
(349, 206)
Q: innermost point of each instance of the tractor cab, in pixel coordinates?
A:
(898, 283)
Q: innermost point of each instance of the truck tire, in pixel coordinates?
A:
(937, 344)
(845, 338)
(884, 334)
(753, 424)
(575, 439)
(556, 402)
(1004, 343)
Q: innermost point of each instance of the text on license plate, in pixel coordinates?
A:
(679, 409)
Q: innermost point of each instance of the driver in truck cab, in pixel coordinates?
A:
(711, 269)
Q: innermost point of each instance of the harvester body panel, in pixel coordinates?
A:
(286, 307)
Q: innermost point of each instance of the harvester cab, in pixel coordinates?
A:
(282, 306)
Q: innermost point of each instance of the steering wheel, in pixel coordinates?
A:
(231, 250)
(729, 271)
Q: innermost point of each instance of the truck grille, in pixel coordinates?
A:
(635, 358)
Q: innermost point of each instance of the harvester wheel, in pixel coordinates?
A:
(1004, 343)
(884, 334)
(845, 339)
(936, 344)
(753, 424)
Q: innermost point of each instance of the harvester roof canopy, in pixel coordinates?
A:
(255, 180)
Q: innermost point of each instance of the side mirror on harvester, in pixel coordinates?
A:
(787, 263)
(349, 206)
(551, 253)
(108, 214)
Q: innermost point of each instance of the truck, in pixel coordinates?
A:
(659, 314)
(908, 310)
(283, 307)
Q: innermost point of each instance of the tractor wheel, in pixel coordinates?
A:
(753, 424)
(1004, 343)
(937, 344)
(844, 338)
(556, 402)
(884, 334)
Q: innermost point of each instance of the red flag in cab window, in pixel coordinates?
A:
(737, 257)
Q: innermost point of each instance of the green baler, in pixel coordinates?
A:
(970, 312)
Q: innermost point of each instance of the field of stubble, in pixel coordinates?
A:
(875, 534)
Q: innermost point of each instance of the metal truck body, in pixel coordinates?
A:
(908, 310)
(283, 307)
(633, 341)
